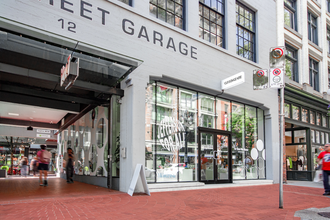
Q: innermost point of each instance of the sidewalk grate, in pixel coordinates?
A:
(324, 214)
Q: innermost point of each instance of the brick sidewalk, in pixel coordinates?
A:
(25, 199)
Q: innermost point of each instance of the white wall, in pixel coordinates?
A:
(211, 66)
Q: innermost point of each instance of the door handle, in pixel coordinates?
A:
(215, 154)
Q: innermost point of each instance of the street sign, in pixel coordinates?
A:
(276, 78)
(260, 79)
(232, 81)
(277, 57)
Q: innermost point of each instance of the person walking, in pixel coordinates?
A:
(33, 165)
(25, 168)
(69, 161)
(325, 157)
(43, 162)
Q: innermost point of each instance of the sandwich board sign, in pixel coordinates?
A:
(276, 78)
(260, 79)
(139, 171)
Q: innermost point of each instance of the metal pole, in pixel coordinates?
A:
(281, 149)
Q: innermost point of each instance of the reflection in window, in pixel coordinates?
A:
(300, 136)
(318, 119)
(223, 115)
(291, 63)
(211, 21)
(290, 13)
(312, 136)
(101, 133)
(207, 114)
(322, 137)
(312, 28)
(326, 137)
(288, 137)
(295, 112)
(317, 137)
(304, 115)
(312, 117)
(172, 12)
(287, 111)
(324, 120)
(245, 32)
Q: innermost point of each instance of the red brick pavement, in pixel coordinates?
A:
(25, 199)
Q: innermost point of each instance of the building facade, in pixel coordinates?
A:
(168, 58)
(303, 28)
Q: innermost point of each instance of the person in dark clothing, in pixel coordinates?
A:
(69, 159)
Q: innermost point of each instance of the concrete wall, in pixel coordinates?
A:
(206, 67)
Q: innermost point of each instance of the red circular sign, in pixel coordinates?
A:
(260, 73)
(277, 72)
(277, 53)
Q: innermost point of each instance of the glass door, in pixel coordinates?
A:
(214, 154)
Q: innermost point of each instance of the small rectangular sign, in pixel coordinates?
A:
(232, 81)
(277, 57)
(43, 135)
(276, 78)
(43, 131)
(260, 79)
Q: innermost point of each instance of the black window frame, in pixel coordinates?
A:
(218, 12)
(158, 7)
(329, 77)
(130, 2)
(314, 74)
(312, 27)
(294, 60)
(292, 9)
(328, 38)
(252, 32)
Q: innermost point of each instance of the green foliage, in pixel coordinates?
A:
(240, 124)
(5, 168)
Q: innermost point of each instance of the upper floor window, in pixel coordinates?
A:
(328, 5)
(314, 74)
(290, 13)
(312, 28)
(245, 32)
(211, 21)
(329, 77)
(170, 11)
(291, 63)
(129, 2)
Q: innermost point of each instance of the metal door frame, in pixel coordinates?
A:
(215, 132)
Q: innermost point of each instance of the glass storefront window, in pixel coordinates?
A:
(206, 111)
(295, 112)
(317, 137)
(322, 137)
(287, 111)
(316, 150)
(318, 119)
(326, 138)
(312, 117)
(171, 147)
(312, 136)
(296, 157)
(188, 154)
(300, 136)
(324, 120)
(304, 115)
(223, 114)
(288, 137)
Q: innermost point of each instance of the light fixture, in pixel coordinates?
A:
(29, 128)
(13, 114)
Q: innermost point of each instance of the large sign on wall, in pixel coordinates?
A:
(77, 19)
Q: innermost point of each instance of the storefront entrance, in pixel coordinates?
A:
(215, 151)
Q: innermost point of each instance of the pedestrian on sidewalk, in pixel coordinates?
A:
(25, 167)
(33, 165)
(69, 160)
(43, 162)
(325, 157)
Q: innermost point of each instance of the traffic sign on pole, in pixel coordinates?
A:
(277, 57)
(276, 78)
(260, 79)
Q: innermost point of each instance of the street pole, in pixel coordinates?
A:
(281, 148)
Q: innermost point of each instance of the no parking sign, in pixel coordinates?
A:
(276, 78)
